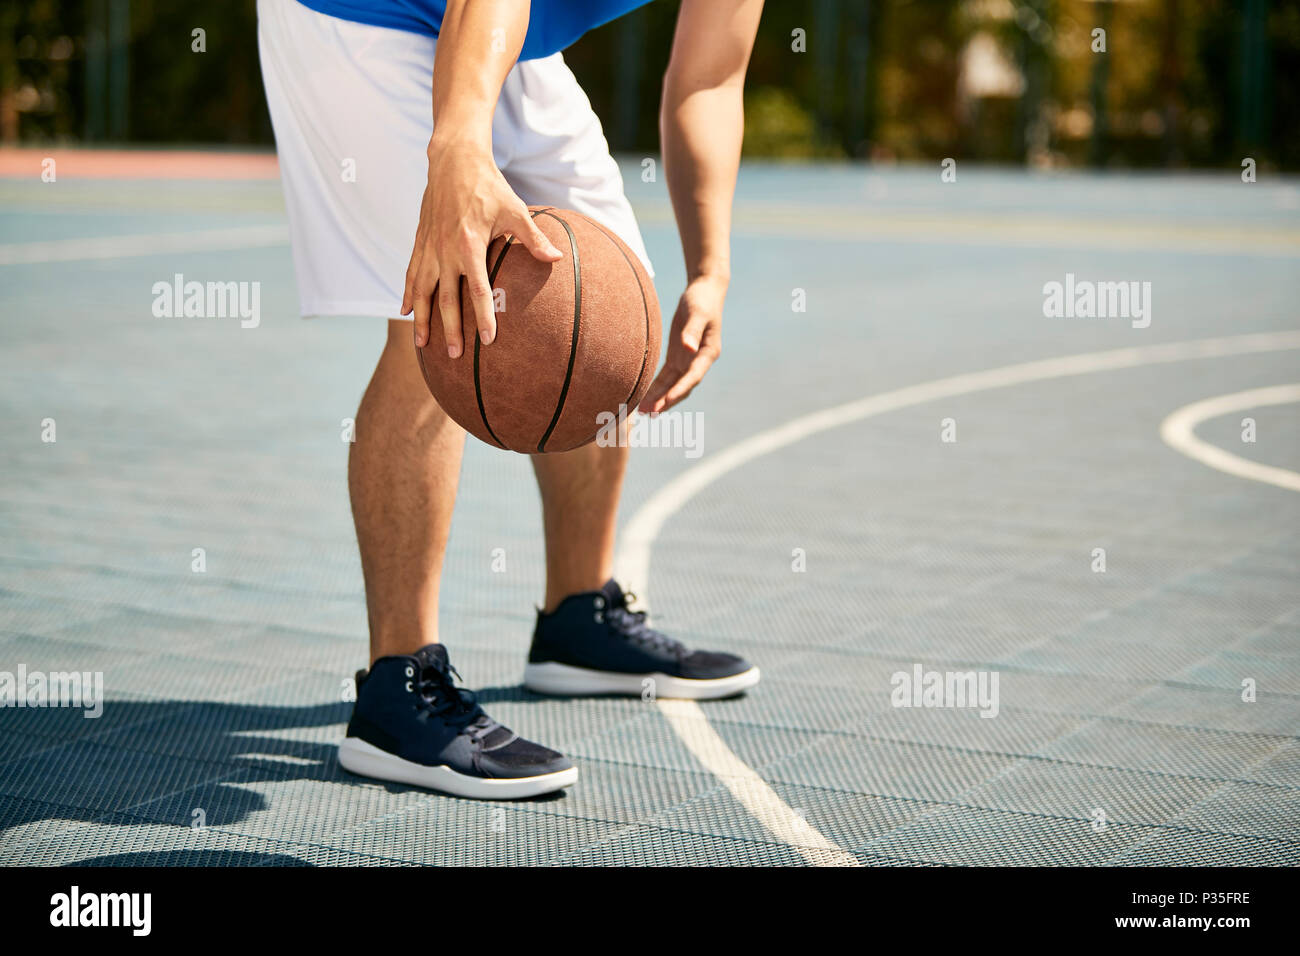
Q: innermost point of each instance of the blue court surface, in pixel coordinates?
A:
(919, 473)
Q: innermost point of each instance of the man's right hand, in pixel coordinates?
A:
(467, 203)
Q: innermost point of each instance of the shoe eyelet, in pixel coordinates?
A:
(410, 671)
(409, 688)
(600, 601)
(600, 618)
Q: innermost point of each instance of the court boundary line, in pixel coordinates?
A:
(633, 559)
(1178, 431)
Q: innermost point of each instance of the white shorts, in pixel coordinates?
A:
(351, 105)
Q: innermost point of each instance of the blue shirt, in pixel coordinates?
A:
(552, 24)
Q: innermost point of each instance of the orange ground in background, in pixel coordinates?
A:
(138, 164)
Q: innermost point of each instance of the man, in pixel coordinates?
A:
(349, 84)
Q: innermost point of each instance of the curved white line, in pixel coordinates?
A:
(1179, 433)
(633, 560)
(689, 723)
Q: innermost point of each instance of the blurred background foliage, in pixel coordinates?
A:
(1181, 82)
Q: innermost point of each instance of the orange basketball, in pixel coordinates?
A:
(575, 338)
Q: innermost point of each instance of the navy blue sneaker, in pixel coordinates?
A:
(413, 725)
(594, 643)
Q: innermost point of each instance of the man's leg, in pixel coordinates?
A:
(588, 640)
(403, 470)
(580, 491)
(412, 723)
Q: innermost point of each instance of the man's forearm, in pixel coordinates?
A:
(700, 133)
(701, 124)
(478, 44)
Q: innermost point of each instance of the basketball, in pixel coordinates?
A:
(575, 339)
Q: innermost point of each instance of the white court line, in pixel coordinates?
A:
(148, 244)
(686, 718)
(689, 723)
(1179, 433)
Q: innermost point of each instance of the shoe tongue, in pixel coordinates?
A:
(433, 655)
(613, 593)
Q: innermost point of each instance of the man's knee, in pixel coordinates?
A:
(401, 389)
(401, 334)
(399, 360)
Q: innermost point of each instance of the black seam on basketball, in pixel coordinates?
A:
(577, 324)
(645, 310)
(478, 385)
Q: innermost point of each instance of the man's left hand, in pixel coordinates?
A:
(694, 343)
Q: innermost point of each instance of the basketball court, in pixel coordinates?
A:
(905, 468)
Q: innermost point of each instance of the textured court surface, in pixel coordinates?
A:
(1120, 692)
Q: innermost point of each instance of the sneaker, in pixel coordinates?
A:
(413, 725)
(594, 643)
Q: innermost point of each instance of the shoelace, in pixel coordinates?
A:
(631, 624)
(456, 705)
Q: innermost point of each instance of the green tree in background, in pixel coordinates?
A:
(1181, 83)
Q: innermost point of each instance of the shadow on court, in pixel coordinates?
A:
(157, 762)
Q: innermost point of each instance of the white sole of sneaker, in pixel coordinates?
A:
(565, 681)
(357, 756)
